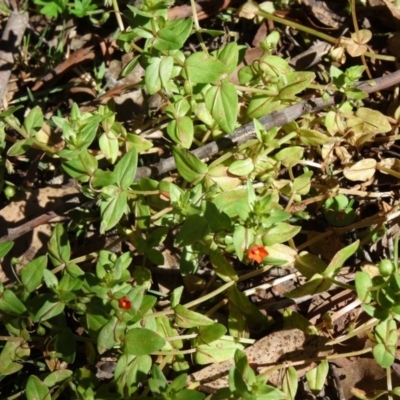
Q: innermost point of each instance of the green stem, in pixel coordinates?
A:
(16, 395)
(118, 15)
(61, 388)
(194, 302)
(389, 384)
(173, 352)
(197, 26)
(11, 338)
(316, 33)
(341, 284)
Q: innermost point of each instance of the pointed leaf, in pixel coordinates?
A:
(340, 258)
(36, 389)
(185, 318)
(125, 170)
(222, 102)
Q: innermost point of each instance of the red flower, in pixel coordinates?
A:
(125, 303)
(257, 253)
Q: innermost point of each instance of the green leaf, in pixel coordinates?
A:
(223, 267)
(301, 185)
(261, 105)
(158, 383)
(13, 351)
(382, 356)
(181, 131)
(158, 73)
(11, 304)
(188, 165)
(193, 230)
(112, 211)
(174, 35)
(290, 383)
(233, 203)
(64, 344)
(246, 75)
(229, 55)
(185, 318)
(125, 170)
(217, 220)
(103, 178)
(239, 241)
(363, 284)
(50, 279)
(109, 146)
(20, 147)
(33, 121)
(141, 341)
(374, 121)
(242, 167)
(294, 83)
(59, 248)
(87, 131)
(32, 273)
(36, 389)
(312, 137)
(280, 233)
(236, 381)
(203, 68)
(222, 102)
(246, 308)
(137, 142)
(208, 334)
(309, 264)
(57, 377)
(5, 248)
(216, 351)
(51, 308)
(107, 335)
(386, 335)
(82, 166)
(317, 376)
(242, 365)
(340, 258)
(289, 155)
(317, 284)
(274, 66)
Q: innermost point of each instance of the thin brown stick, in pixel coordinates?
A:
(45, 218)
(277, 118)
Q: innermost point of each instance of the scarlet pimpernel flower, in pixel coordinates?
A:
(124, 303)
(257, 253)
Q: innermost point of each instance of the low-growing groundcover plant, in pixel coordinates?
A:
(244, 208)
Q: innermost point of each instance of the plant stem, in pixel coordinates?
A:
(357, 31)
(318, 34)
(118, 15)
(194, 302)
(343, 285)
(197, 26)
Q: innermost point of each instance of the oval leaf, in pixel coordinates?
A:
(362, 170)
(141, 341)
(222, 102)
(203, 68)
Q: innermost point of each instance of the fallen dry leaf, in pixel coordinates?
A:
(361, 171)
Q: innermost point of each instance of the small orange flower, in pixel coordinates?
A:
(257, 253)
(125, 303)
